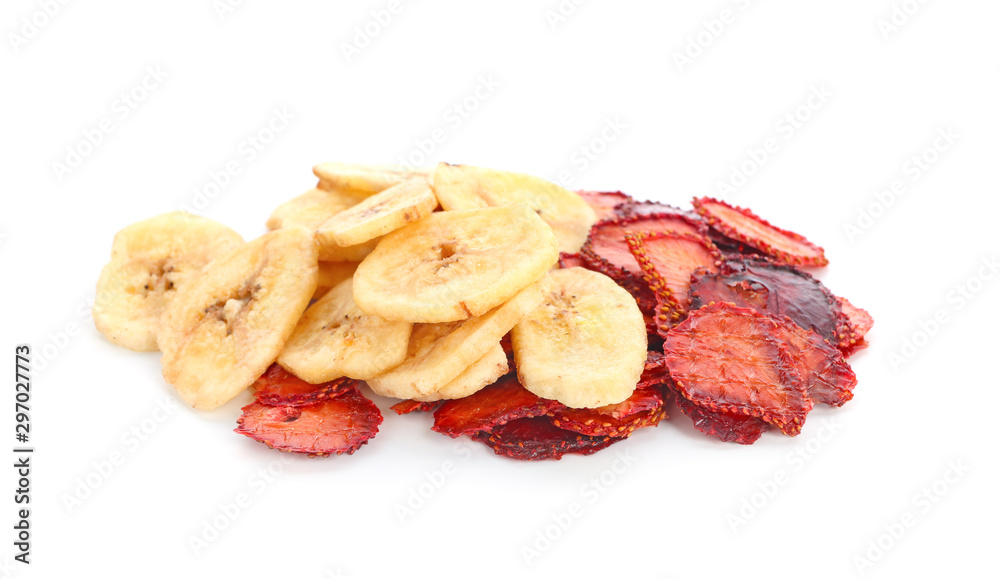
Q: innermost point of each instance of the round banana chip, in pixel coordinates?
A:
(466, 187)
(454, 265)
(312, 209)
(379, 214)
(586, 345)
(334, 338)
(150, 261)
(331, 273)
(364, 179)
(440, 353)
(221, 331)
(481, 374)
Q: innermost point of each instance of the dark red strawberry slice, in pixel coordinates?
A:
(729, 359)
(339, 425)
(771, 288)
(539, 439)
(732, 248)
(498, 403)
(408, 406)
(668, 259)
(643, 408)
(855, 323)
(828, 377)
(744, 226)
(278, 387)
(604, 202)
(722, 425)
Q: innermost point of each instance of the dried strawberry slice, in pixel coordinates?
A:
(743, 225)
(855, 323)
(571, 260)
(539, 439)
(731, 248)
(728, 359)
(339, 425)
(642, 208)
(723, 425)
(604, 202)
(771, 288)
(408, 406)
(668, 259)
(643, 408)
(607, 252)
(278, 387)
(501, 402)
(828, 377)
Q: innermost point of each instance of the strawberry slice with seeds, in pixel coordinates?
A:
(538, 438)
(828, 377)
(335, 426)
(668, 260)
(279, 387)
(607, 251)
(855, 323)
(746, 227)
(604, 202)
(723, 425)
(729, 359)
(773, 289)
(498, 403)
(643, 408)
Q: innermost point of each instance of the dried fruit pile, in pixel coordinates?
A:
(538, 321)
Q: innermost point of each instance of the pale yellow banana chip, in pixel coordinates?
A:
(334, 338)
(440, 353)
(379, 214)
(454, 265)
(221, 331)
(364, 179)
(467, 187)
(586, 345)
(481, 374)
(150, 261)
(312, 208)
(331, 273)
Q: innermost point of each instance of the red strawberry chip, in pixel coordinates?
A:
(772, 289)
(723, 425)
(604, 202)
(728, 359)
(855, 323)
(567, 260)
(538, 438)
(642, 208)
(746, 227)
(828, 377)
(643, 408)
(668, 259)
(498, 403)
(278, 387)
(335, 426)
(606, 250)
(408, 406)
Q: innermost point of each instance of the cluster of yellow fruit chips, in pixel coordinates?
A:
(413, 276)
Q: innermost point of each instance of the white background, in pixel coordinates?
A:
(669, 512)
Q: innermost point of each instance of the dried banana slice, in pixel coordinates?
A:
(364, 179)
(331, 273)
(150, 261)
(585, 346)
(481, 374)
(440, 353)
(379, 214)
(222, 331)
(334, 338)
(312, 208)
(466, 187)
(454, 265)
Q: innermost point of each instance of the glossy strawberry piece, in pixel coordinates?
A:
(746, 227)
(278, 387)
(336, 426)
(538, 438)
(729, 359)
(722, 425)
(498, 403)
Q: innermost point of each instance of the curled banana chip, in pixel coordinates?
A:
(364, 179)
(150, 261)
(379, 214)
(479, 375)
(221, 331)
(334, 338)
(585, 346)
(454, 265)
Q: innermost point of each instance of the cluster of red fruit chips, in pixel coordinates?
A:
(741, 338)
